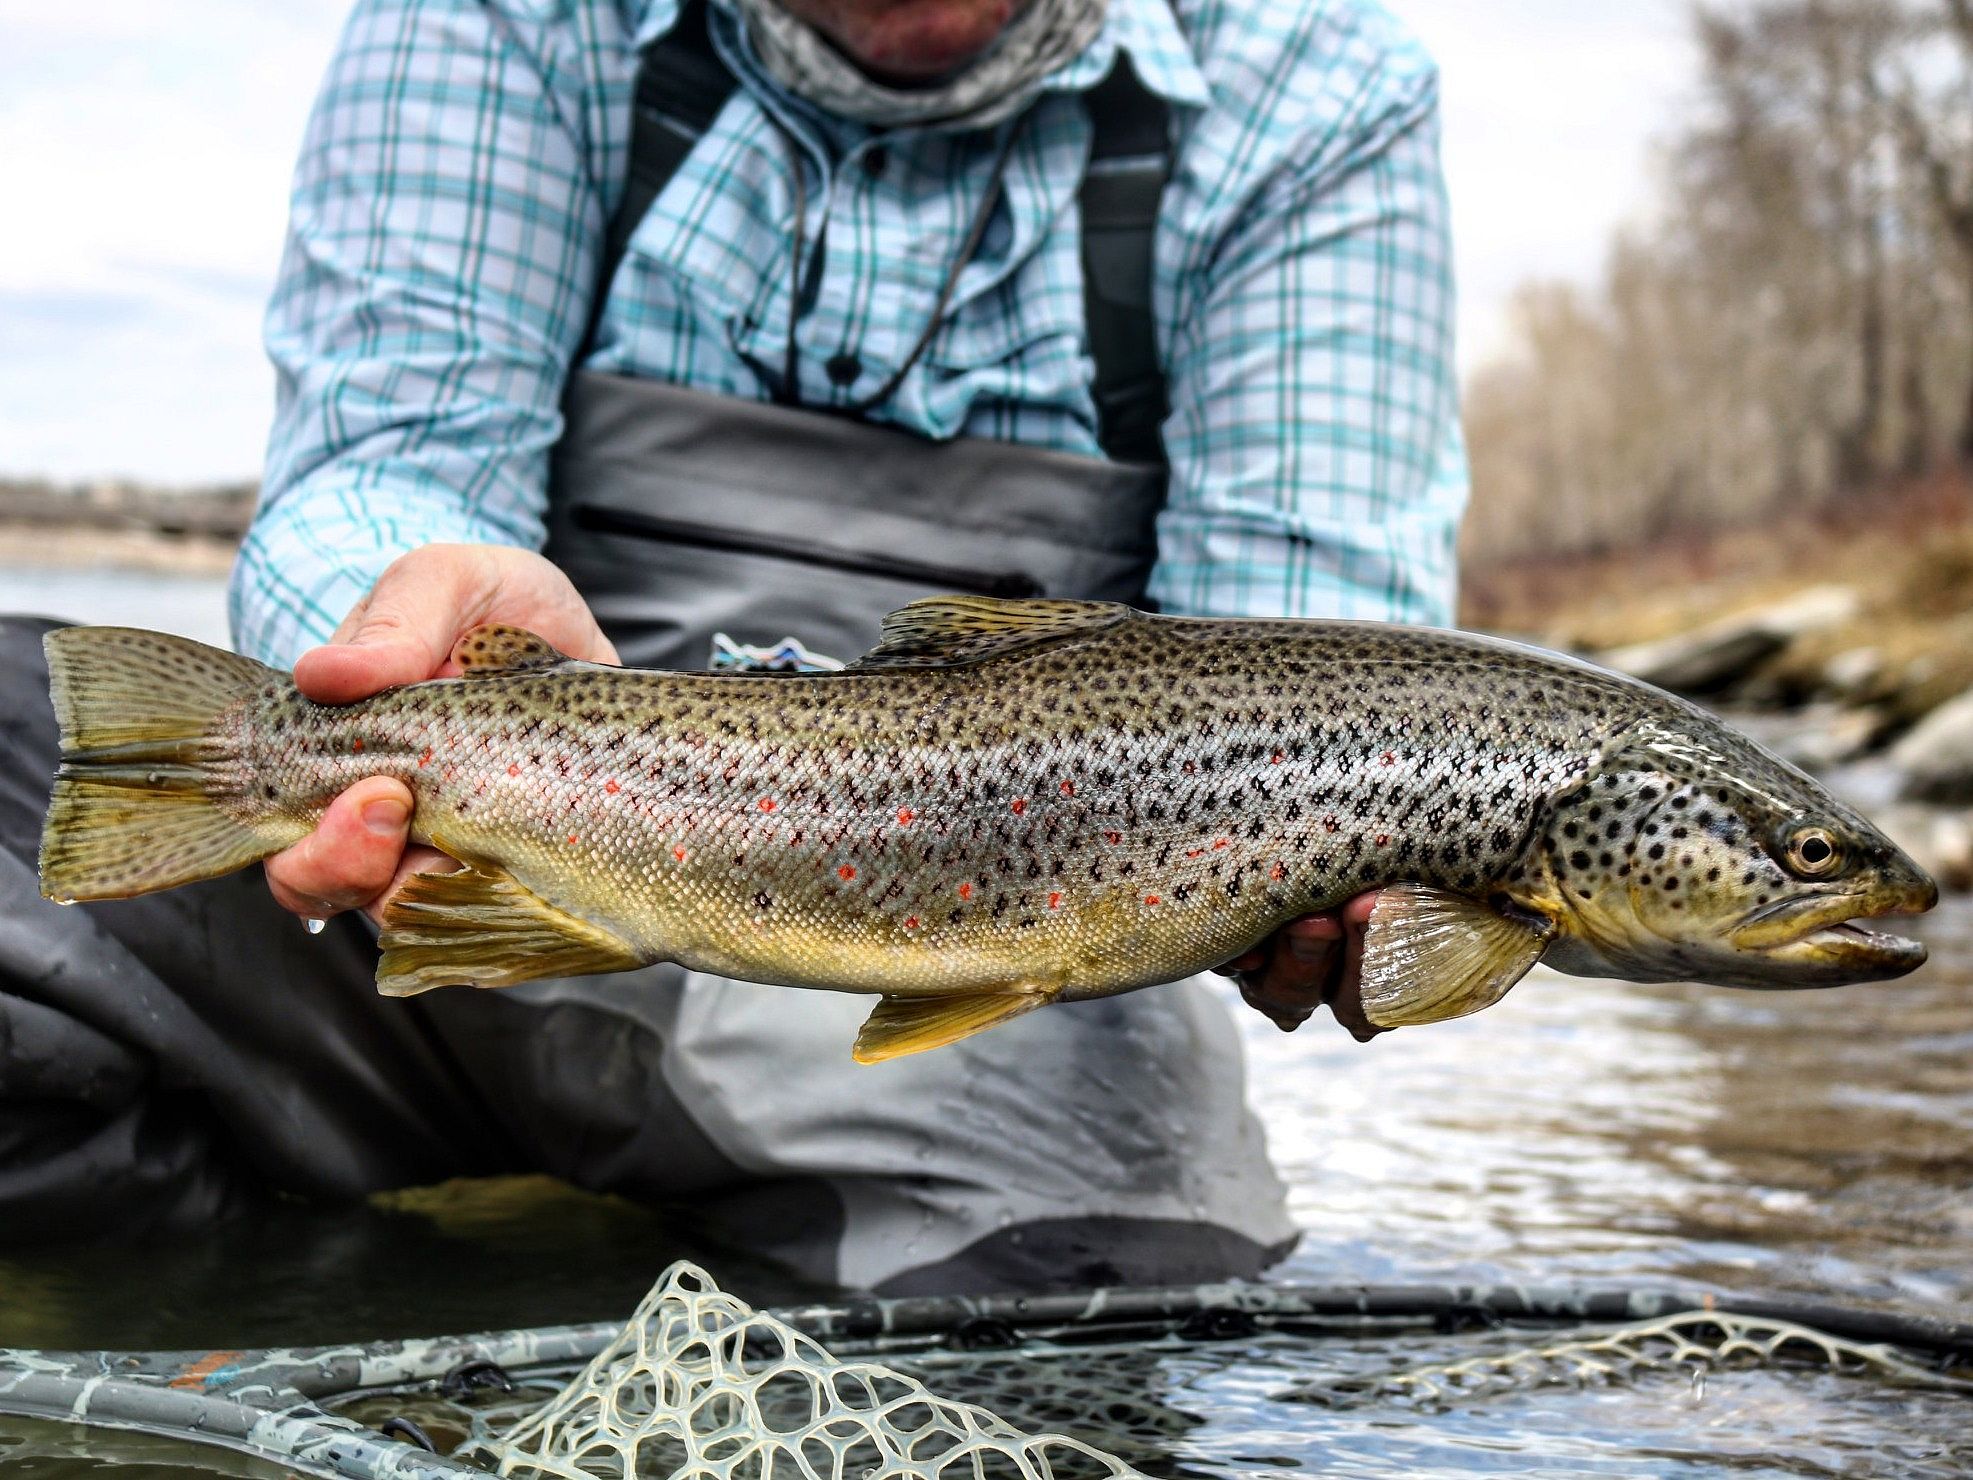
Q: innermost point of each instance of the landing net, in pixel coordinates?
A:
(1692, 1342)
(700, 1386)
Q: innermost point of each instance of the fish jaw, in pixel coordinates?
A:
(1821, 937)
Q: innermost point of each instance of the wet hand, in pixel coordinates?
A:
(403, 632)
(1312, 962)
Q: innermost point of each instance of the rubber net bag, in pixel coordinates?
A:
(701, 1384)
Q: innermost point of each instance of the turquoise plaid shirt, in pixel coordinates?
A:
(464, 158)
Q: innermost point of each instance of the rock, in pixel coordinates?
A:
(1936, 757)
(1821, 737)
(1714, 656)
(1853, 671)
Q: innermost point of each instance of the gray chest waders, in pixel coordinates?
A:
(176, 1055)
(1104, 1141)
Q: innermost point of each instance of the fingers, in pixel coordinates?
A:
(352, 856)
(1346, 998)
(417, 860)
(1308, 963)
(404, 630)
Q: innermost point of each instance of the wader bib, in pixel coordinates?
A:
(164, 1060)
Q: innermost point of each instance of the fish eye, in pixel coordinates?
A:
(1812, 852)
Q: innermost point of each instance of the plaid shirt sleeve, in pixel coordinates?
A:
(444, 236)
(1317, 463)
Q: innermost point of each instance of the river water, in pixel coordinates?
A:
(1579, 1132)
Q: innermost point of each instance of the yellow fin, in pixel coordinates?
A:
(1429, 955)
(494, 650)
(484, 929)
(901, 1025)
(146, 757)
(945, 631)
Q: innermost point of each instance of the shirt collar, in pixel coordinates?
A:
(1145, 30)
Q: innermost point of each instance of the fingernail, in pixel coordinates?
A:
(386, 816)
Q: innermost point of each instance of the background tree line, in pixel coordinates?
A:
(1793, 331)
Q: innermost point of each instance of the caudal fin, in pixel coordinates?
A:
(142, 752)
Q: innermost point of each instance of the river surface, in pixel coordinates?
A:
(1579, 1132)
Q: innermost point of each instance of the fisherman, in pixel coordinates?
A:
(641, 323)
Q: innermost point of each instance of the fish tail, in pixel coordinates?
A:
(143, 753)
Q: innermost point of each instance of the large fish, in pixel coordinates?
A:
(1005, 804)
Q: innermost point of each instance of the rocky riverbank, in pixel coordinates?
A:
(1848, 646)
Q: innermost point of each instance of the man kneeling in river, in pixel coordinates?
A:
(633, 324)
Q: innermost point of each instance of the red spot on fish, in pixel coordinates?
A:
(1279, 757)
(965, 891)
(1389, 759)
(911, 922)
(1113, 837)
(1054, 901)
(611, 786)
(904, 816)
(1382, 839)
(1191, 767)
(513, 770)
(1329, 824)
(572, 838)
(1277, 872)
(1195, 852)
(1068, 788)
(679, 854)
(1020, 805)
(766, 804)
(1219, 843)
(357, 743)
(426, 758)
(846, 872)
(1150, 899)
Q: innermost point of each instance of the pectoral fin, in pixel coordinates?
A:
(484, 929)
(902, 1025)
(1429, 955)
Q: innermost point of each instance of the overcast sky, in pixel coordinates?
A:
(145, 151)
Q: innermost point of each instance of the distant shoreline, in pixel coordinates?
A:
(74, 546)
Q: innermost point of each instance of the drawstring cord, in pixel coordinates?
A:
(789, 393)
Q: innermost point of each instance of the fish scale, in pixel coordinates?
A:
(1006, 803)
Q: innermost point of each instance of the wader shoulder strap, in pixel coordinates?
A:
(682, 85)
(1128, 163)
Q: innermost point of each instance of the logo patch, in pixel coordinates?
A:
(789, 655)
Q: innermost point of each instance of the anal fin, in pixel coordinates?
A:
(1429, 955)
(901, 1025)
(485, 929)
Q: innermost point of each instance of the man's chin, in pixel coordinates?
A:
(911, 43)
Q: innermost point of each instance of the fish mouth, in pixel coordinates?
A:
(1826, 936)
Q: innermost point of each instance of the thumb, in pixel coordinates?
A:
(401, 633)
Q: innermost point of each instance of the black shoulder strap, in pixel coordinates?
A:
(682, 85)
(1128, 164)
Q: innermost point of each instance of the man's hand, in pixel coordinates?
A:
(1308, 963)
(401, 633)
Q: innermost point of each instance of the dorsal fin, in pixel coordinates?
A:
(945, 631)
(495, 650)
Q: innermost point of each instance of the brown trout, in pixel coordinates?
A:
(1005, 804)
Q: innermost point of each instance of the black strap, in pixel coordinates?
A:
(682, 85)
(1129, 161)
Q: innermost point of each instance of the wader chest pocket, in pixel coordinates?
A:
(691, 535)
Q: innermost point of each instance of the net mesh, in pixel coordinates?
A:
(1694, 1341)
(699, 1384)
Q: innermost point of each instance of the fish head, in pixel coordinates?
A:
(1689, 853)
